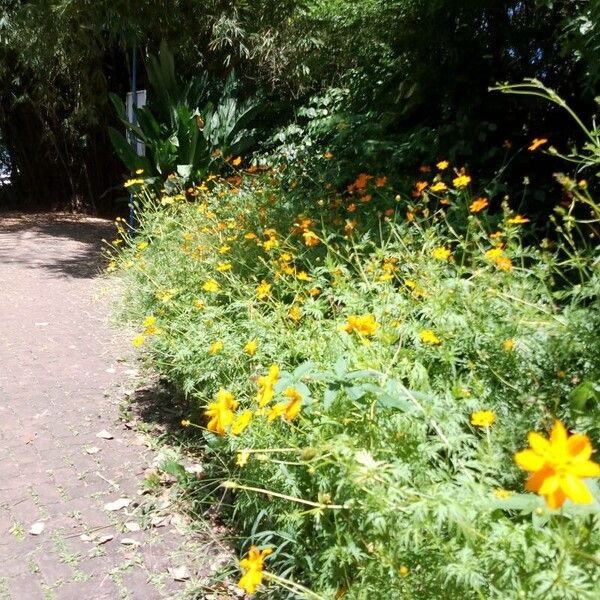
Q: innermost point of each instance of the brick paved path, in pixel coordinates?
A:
(59, 376)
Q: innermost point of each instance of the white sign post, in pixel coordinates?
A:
(140, 100)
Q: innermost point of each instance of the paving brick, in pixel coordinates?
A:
(55, 348)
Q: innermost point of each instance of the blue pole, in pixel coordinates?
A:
(134, 120)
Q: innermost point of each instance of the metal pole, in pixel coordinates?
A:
(134, 121)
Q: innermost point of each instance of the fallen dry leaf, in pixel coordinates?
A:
(179, 573)
(117, 504)
(37, 528)
(104, 538)
(130, 542)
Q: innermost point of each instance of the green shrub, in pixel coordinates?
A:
(410, 342)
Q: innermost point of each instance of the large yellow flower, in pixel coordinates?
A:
(266, 385)
(241, 422)
(558, 465)
(483, 418)
(363, 325)
(220, 412)
(263, 290)
(252, 566)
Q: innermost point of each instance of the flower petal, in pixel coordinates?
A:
(535, 481)
(550, 485)
(575, 489)
(579, 447)
(555, 500)
(585, 468)
(538, 442)
(529, 460)
(558, 435)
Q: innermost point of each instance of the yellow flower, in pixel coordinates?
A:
(303, 276)
(142, 245)
(149, 321)
(139, 171)
(314, 291)
(266, 384)
(216, 347)
(537, 142)
(483, 418)
(441, 253)
(185, 423)
(241, 422)
(404, 571)
(365, 325)
(517, 220)
(276, 411)
(220, 412)
(328, 155)
(211, 286)
(558, 465)
(427, 336)
(442, 165)
(252, 566)
(270, 244)
(131, 182)
(242, 458)
(497, 256)
(236, 162)
(440, 186)
(138, 340)
(461, 180)
(198, 304)
(478, 205)
(224, 249)
(222, 267)
(508, 345)
(250, 347)
(250, 236)
(295, 314)
(292, 408)
(263, 290)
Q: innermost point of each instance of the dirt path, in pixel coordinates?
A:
(60, 372)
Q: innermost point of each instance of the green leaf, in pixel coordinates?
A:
(585, 392)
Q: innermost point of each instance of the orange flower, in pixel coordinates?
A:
(537, 142)
(310, 238)
(558, 465)
(478, 205)
(419, 188)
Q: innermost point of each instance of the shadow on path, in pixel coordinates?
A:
(62, 244)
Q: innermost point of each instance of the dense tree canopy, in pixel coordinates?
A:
(419, 69)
